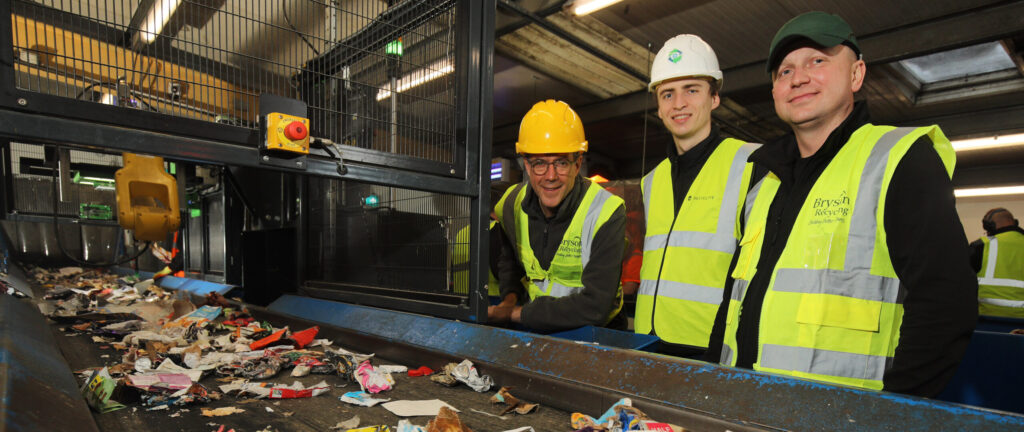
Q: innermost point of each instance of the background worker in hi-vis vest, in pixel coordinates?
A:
(691, 203)
(563, 232)
(853, 268)
(998, 258)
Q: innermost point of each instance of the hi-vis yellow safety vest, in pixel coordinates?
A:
(1001, 279)
(460, 264)
(680, 290)
(563, 275)
(833, 308)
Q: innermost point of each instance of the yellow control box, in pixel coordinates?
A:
(288, 133)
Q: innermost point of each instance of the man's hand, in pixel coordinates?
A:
(505, 311)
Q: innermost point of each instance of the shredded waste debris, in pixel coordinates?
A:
(165, 345)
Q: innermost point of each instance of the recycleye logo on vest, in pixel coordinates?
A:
(826, 208)
(702, 197)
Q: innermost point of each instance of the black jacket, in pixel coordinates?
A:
(600, 293)
(926, 245)
(978, 247)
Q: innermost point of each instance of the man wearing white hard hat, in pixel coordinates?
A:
(691, 202)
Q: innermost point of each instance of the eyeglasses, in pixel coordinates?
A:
(539, 166)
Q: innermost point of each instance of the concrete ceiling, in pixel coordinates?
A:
(598, 64)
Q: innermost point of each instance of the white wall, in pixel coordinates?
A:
(974, 208)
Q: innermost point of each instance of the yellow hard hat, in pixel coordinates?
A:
(551, 127)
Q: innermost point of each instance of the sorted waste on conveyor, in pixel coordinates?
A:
(167, 345)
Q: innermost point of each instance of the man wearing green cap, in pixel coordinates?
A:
(853, 265)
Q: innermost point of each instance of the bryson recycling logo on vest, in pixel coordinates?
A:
(570, 247)
(830, 209)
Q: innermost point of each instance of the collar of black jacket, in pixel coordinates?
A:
(566, 209)
(779, 155)
(1007, 229)
(697, 153)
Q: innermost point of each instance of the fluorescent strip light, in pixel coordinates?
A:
(584, 7)
(988, 191)
(419, 77)
(157, 18)
(989, 142)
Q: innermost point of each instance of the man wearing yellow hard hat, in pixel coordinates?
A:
(691, 202)
(565, 234)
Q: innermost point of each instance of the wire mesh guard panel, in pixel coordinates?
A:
(377, 74)
(375, 236)
(85, 190)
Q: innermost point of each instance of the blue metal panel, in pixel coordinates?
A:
(198, 287)
(998, 324)
(990, 375)
(738, 395)
(35, 382)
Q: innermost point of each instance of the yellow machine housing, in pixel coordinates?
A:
(147, 197)
(288, 133)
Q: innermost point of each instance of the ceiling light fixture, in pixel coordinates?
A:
(583, 7)
(419, 77)
(159, 14)
(989, 191)
(989, 142)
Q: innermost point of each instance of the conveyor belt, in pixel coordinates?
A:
(319, 413)
(558, 374)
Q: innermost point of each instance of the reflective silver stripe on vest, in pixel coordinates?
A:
(991, 279)
(858, 285)
(860, 248)
(727, 213)
(739, 289)
(993, 255)
(508, 218)
(853, 281)
(648, 185)
(590, 223)
(726, 357)
(692, 239)
(1002, 302)
(749, 203)
(1011, 283)
(556, 289)
(824, 362)
(682, 291)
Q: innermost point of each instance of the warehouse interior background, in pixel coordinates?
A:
(957, 64)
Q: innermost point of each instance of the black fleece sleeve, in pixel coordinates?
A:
(595, 302)
(510, 270)
(929, 252)
(977, 251)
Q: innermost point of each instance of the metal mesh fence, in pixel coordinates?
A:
(85, 191)
(364, 235)
(376, 74)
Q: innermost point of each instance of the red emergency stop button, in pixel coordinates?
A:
(295, 131)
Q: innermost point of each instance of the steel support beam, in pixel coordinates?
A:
(47, 129)
(579, 43)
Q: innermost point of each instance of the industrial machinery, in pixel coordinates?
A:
(325, 154)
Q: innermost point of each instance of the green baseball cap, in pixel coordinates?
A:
(822, 28)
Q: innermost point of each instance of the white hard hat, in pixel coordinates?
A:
(685, 55)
